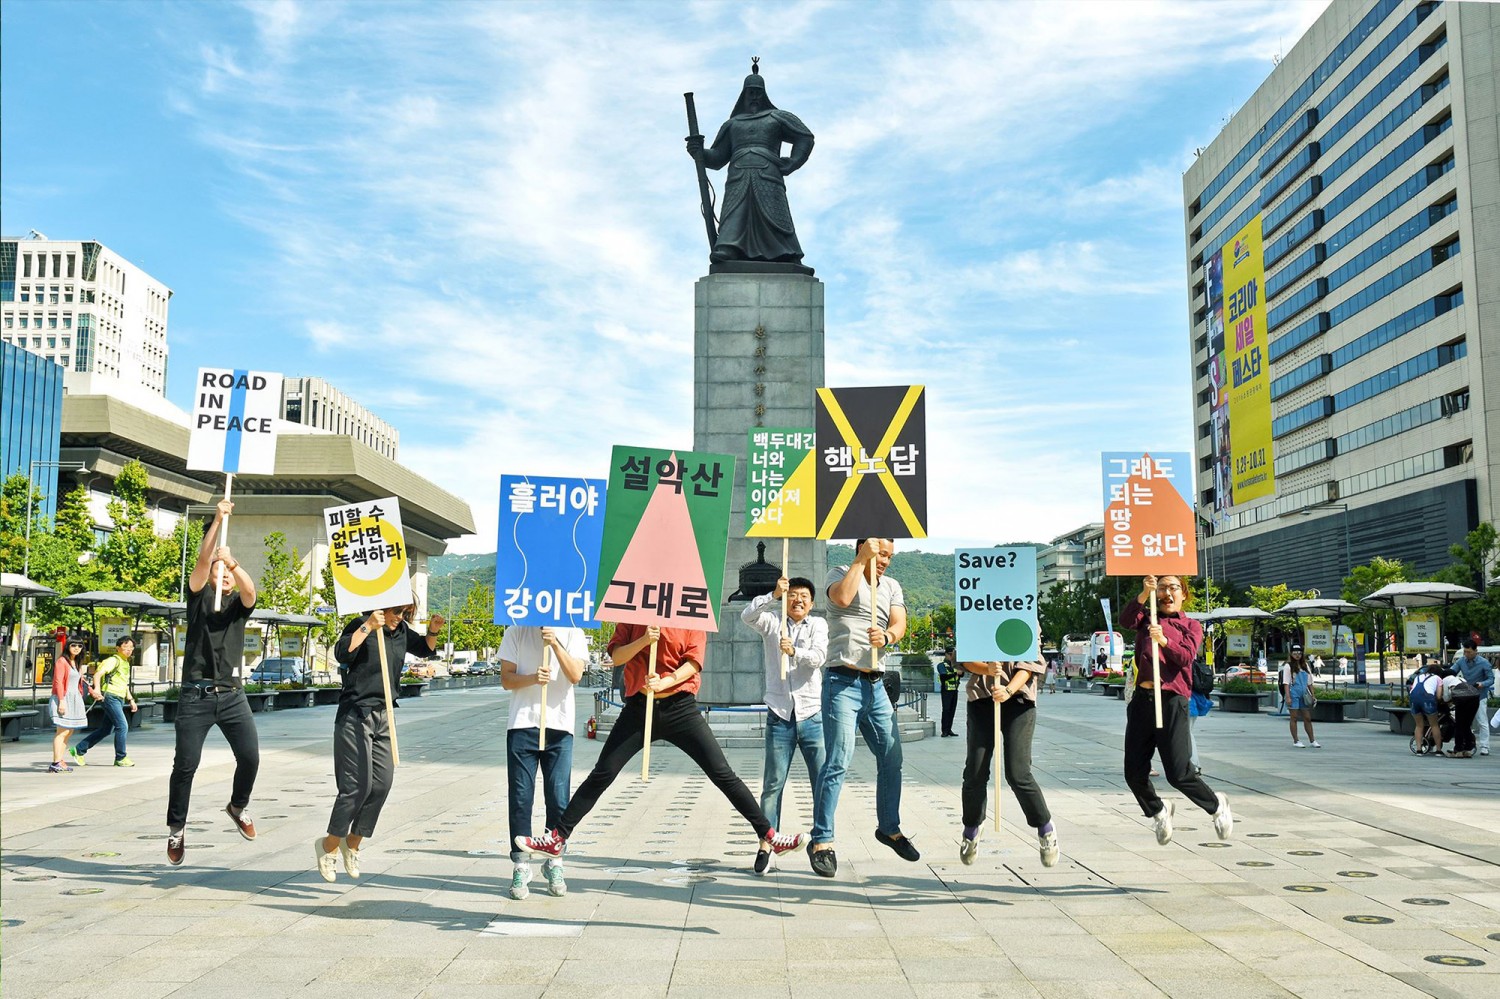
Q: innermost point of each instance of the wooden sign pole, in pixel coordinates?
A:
(541, 729)
(786, 556)
(385, 687)
(998, 755)
(1155, 665)
(650, 711)
(874, 621)
(223, 540)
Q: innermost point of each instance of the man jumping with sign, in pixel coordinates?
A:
(1176, 639)
(211, 693)
(363, 763)
(678, 720)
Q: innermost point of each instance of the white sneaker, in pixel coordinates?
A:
(351, 860)
(1299, 745)
(1162, 821)
(1223, 818)
(968, 849)
(1047, 843)
(1484, 751)
(1316, 744)
(327, 862)
(520, 876)
(552, 870)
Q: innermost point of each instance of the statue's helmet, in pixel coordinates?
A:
(754, 84)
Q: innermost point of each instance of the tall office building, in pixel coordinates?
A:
(1371, 156)
(313, 402)
(31, 394)
(86, 308)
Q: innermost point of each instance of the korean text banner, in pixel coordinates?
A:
(367, 555)
(780, 467)
(1421, 631)
(1237, 639)
(1148, 514)
(871, 477)
(548, 554)
(234, 419)
(666, 530)
(995, 613)
(1253, 472)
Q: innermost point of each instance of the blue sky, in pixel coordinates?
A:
(479, 221)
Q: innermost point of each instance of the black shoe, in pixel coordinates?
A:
(824, 863)
(762, 860)
(903, 846)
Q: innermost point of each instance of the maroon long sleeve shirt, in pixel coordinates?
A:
(1184, 639)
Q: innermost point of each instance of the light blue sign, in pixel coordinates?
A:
(996, 604)
(547, 558)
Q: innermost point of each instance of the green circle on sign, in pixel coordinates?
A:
(1013, 637)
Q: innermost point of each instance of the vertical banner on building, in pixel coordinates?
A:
(666, 530)
(234, 420)
(548, 555)
(780, 471)
(1421, 631)
(872, 462)
(367, 555)
(1109, 624)
(1148, 514)
(1253, 472)
(995, 613)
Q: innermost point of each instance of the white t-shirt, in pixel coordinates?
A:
(522, 645)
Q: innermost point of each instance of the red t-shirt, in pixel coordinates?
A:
(673, 648)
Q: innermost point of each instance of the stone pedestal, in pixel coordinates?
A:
(757, 361)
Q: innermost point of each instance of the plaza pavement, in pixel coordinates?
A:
(1356, 870)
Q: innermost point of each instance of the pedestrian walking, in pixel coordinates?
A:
(1178, 639)
(66, 706)
(1012, 685)
(211, 695)
(537, 663)
(1300, 699)
(112, 691)
(794, 702)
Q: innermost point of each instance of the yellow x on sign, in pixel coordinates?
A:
(894, 417)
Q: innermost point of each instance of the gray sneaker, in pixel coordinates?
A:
(520, 877)
(557, 887)
(1162, 822)
(1047, 843)
(1223, 818)
(968, 848)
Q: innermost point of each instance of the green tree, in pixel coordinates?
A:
(134, 556)
(1268, 599)
(13, 503)
(1364, 580)
(283, 583)
(943, 619)
(1072, 608)
(474, 627)
(1474, 566)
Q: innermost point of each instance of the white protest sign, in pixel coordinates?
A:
(234, 419)
(368, 554)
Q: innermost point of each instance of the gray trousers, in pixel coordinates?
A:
(362, 768)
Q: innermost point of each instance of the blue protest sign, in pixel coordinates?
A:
(995, 616)
(547, 558)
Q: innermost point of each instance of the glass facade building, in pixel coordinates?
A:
(1372, 155)
(31, 395)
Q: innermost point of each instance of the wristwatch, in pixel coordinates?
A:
(364, 629)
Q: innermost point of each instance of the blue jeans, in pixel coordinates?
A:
(521, 758)
(114, 718)
(782, 737)
(847, 703)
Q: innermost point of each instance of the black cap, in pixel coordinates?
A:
(1296, 648)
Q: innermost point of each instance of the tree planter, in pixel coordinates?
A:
(286, 699)
(1329, 711)
(1400, 721)
(1117, 691)
(262, 701)
(323, 696)
(1107, 689)
(133, 719)
(10, 724)
(150, 711)
(169, 711)
(1245, 704)
(412, 689)
(1356, 710)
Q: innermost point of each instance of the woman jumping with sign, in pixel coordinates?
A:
(1177, 639)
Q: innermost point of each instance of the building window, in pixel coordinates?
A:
(67, 321)
(26, 265)
(24, 321)
(25, 293)
(67, 293)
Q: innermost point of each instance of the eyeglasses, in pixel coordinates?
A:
(1169, 587)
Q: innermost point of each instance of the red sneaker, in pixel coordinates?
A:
(783, 843)
(548, 844)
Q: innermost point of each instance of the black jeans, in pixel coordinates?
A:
(197, 712)
(1017, 725)
(1464, 710)
(362, 769)
(950, 708)
(1173, 741)
(679, 722)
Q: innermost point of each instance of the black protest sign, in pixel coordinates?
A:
(872, 462)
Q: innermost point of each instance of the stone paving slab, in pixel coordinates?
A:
(1355, 870)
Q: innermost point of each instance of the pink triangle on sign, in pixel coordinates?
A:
(664, 549)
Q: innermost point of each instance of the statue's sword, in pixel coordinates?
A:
(708, 208)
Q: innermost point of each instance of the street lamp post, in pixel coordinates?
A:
(26, 551)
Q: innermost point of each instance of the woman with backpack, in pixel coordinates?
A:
(1426, 714)
(1300, 698)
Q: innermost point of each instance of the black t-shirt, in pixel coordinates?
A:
(215, 639)
(361, 666)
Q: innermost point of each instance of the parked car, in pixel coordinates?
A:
(1245, 673)
(284, 670)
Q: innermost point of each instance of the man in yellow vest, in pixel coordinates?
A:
(112, 689)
